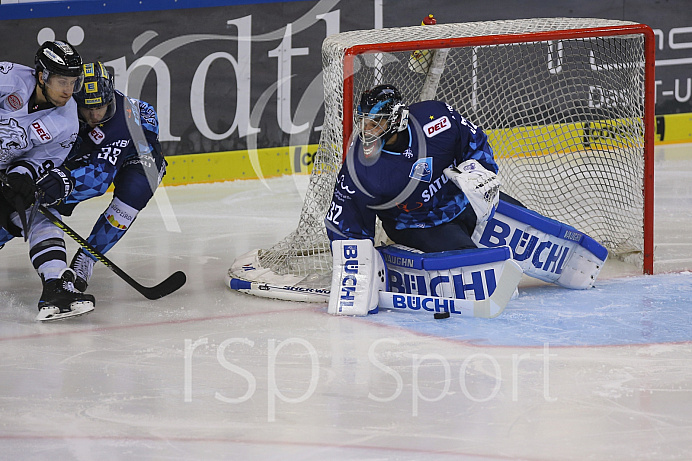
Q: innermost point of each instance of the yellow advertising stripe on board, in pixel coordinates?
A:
(673, 128)
(240, 164)
(565, 138)
(544, 140)
(530, 141)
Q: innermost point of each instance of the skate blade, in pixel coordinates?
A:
(52, 314)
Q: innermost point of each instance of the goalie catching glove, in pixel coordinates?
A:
(480, 186)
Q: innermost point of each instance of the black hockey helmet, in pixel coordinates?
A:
(98, 89)
(384, 106)
(58, 58)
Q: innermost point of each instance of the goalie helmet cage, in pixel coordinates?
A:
(567, 103)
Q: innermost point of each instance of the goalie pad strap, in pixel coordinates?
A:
(544, 248)
(358, 275)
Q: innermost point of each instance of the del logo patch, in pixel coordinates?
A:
(437, 126)
(422, 170)
(41, 131)
(96, 135)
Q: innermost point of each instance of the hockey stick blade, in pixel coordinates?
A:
(487, 308)
(168, 286)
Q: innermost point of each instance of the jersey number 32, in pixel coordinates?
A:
(334, 213)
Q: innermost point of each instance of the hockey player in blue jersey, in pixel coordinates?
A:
(429, 174)
(118, 144)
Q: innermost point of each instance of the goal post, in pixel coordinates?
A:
(567, 103)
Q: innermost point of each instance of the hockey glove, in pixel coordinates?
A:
(480, 186)
(19, 187)
(56, 184)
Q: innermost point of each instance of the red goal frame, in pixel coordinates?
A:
(649, 94)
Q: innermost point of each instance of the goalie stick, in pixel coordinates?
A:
(168, 286)
(285, 292)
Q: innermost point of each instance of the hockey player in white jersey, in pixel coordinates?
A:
(38, 125)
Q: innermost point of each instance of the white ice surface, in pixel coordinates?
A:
(209, 374)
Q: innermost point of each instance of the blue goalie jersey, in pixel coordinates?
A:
(404, 184)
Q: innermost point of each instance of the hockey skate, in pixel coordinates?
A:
(83, 266)
(60, 300)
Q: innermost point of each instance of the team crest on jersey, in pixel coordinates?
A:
(6, 67)
(97, 135)
(14, 101)
(422, 170)
(12, 137)
(437, 126)
(408, 153)
(41, 132)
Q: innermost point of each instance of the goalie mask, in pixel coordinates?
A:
(97, 93)
(380, 115)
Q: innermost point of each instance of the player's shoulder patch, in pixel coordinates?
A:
(437, 126)
(14, 101)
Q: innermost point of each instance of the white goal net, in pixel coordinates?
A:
(564, 101)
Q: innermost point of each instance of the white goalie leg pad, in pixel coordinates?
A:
(544, 248)
(461, 274)
(358, 275)
(480, 186)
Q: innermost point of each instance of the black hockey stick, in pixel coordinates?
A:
(168, 286)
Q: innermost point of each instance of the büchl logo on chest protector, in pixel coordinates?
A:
(437, 126)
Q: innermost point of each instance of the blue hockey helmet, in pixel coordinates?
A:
(380, 114)
(98, 89)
